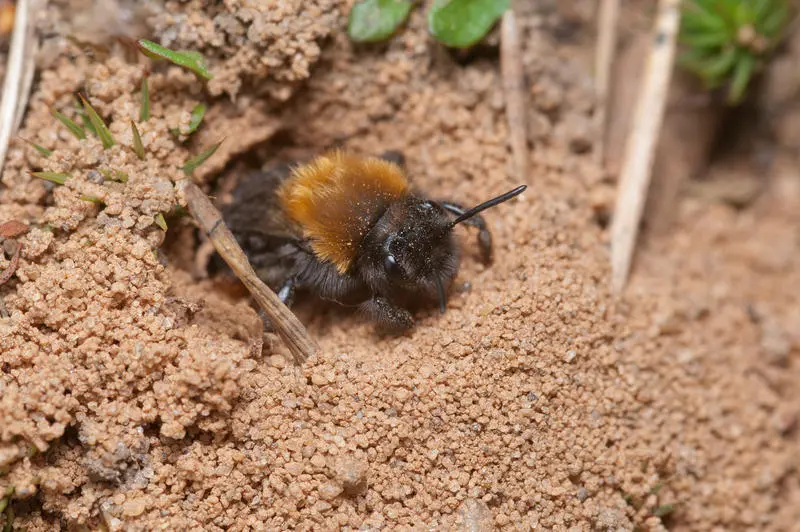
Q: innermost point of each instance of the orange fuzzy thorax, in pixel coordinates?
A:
(336, 198)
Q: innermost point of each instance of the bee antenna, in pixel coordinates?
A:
(487, 204)
(442, 296)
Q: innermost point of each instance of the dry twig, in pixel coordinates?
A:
(14, 80)
(282, 319)
(642, 141)
(514, 89)
(604, 59)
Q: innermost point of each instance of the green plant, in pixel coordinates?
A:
(454, 23)
(94, 124)
(727, 41)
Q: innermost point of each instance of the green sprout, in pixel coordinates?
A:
(53, 177)
(192, 164)
(41, 149)
(118, 175)
(74, 128)
(727, 41)
(91, 199)
(161, 222)
(454, 23)
(144, 109)
(196, 117)
(663, 510)
(138, 147)
(97, 123)
(6, 509)
(187, 59)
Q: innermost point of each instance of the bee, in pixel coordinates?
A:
(352, 230)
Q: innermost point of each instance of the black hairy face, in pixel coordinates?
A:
(410, 249)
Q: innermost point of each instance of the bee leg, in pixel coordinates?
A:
(286, 295)
(484, 236)
(390, 318)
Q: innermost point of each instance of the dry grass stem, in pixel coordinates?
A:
(604, 60)
(642, 141)
(514, 90)
(285, 323)
(15, 81)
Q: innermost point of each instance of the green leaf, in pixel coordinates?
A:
(102, 131)
(76, 130)
(462, 23)
(376, 20)
(741, 77)
(192, 164)
(161, 222)
(41, 149)
(197, 117)
(53, 177)
(138, 147)
(144, 108)
(122, 177)
(189, 60)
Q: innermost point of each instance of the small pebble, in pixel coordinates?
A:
(474, 516)
(133, 507)
(351, 473)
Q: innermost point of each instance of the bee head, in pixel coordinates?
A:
(411, 247)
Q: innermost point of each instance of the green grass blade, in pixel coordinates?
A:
(138, 147)
(87, 124)
(74, 128)
(161, 222)
(102, 131)
(741, 77)
(197, 117)
(189, 60)
(696, 17)
(762, 8)
(721, 64)
(663, 510)
(144, 109)
(192, 164)
(774, 23)
(92, 199)
(122, 177)
(41, 149)
(714, 39)
(53, 177)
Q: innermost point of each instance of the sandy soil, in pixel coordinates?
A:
(134, 394)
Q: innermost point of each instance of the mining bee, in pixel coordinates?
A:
(352, 230)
